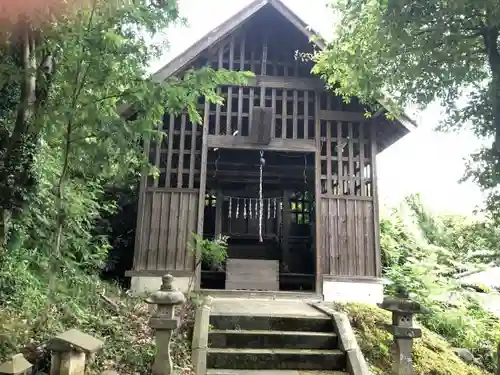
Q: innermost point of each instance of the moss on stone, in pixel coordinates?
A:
(431, 355)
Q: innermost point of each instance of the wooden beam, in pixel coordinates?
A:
(330, 115)
(276, 144)
(288, 82)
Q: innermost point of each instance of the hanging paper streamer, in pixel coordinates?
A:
(268, 209)
(244, 208)
(237, 208)
(257, 209)
(250, 208)
(230, 207)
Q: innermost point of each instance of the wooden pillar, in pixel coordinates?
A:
(317, 191)
(203, 185)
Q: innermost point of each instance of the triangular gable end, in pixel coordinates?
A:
(229, 26)
(206, 46)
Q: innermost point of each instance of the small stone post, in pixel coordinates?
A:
(164, 322)
(403, 331)
(70, 351)
(17, 365)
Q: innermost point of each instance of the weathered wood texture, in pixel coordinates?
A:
(347, 245)
(168, 202)
(169, 218)
(348, 210)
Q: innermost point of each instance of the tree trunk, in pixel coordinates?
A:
(490, 38)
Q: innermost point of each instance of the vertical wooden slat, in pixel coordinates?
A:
(273, 119)
(217, 106)
(331, 223)
(351, 158)
(340, 169)
(139, 246)
(182, 229)
(192, 159)
(343, 241)
(240, 90)
(173, 222)
(295, 113)
(376, 222)
(364, 259)
(317, 191)
(351, 239)
(170, 136)
(263, 68)
(230, 90)
(284, 120)
(328, 144)
(154, 231)
(362, 159)
(164, 223)
(252, 94)
(306, 115)
(193, 216)
(369, 241)
(180, 164)
(145, 235)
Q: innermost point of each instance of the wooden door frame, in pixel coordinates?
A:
(317, 198)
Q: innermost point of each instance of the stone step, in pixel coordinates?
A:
(282, 359)
(271, 323)
(271, 339)
(215, 371)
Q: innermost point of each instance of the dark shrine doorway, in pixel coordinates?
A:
(270, 235)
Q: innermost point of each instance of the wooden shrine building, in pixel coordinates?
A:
(314, 205)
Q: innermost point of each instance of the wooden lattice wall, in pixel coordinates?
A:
(168, 207)
(347, 149)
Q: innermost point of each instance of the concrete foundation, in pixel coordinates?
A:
(344, 289)
(146, 284)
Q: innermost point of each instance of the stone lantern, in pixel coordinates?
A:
(402, 330)
(17, 365)
(164, 322)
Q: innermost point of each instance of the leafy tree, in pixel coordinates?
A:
(419, 51)
(73, 77)
(68, 118)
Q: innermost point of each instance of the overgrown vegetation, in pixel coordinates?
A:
(431, 354)
(422, 252)
(65, 144)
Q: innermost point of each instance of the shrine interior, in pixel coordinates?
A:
(233, 179)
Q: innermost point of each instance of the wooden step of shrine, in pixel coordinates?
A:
(257, 359)
(271, 323)
(288, 338)
(271, 339)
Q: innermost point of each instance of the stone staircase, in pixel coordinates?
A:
(242, 344)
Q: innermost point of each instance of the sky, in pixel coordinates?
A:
(424, 161)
